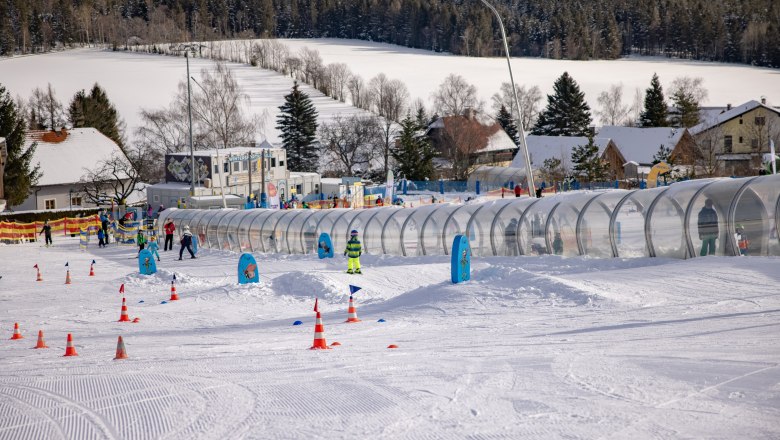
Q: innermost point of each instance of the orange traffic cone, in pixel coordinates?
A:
(41, 343)
(91, 271)
(39, 278)
(124, 316)
(120, 349)
(319, 331)
(174, 296)
(67, 277)
(352, 312)
(17, 333)
(70, 350)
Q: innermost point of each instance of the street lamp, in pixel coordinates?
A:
(523, 145)
(219, 162)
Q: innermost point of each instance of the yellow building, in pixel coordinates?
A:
(734, 141)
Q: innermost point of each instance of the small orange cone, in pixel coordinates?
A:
(91, 271)
(335, 344)
(352, 312)
(120, 349)
(124, 317)
(67, 277)
(392, 346)
(17, 333)
(319, 331)
(41, 343)
(174, 296)
(39, 278)
(70, 350)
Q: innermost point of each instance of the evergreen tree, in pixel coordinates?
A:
(298, 124)
(20, 175)
(664, 154)
(587, 162)
(686, 110)
(567, 113)
(95, 110)
(508, 124)
(655, 112)
(413, 152)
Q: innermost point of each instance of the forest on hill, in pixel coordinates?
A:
(740, 31)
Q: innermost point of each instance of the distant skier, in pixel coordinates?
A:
(101, 235)
(742, 241)
(169, 229)
(557, 244)
(708, 228)
(353, 252)
(46, 230)
(154, 247)
(104, 227)
(140, 240)
(186, 243)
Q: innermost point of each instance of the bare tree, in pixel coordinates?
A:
(358, 93)
(115, 177)
(455, 95)
(529, 102)
(613, 111)
(710, 145)
(47, 108)
(635, 111)
(459, 139)
(348, 143)
(311, 66)
(687, 94)
(389, 100)
(339, 75)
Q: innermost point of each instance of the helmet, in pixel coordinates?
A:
(353, 233)
(186, 228)
(739, 226)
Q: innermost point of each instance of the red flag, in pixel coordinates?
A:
(315, 304)
(122, 288)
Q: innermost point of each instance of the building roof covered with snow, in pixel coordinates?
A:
(641, 143)
(541, 148)
(66, 155)
(713, 119)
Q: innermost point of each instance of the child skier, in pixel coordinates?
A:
(353, 252)
(140, 240)
(186, 243)
(742, 241)
(46, 230)
(101, 238)
(154, 247)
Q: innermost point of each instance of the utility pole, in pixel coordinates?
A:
(250, 163)
(189, 115)
(263, 203)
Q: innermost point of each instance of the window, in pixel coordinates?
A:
(236, 166)
(727, 144)
(245, 165)
(216, 169)
(273, 162)
(75, 201)
(754, 143)
(50, 204)
(281, 163)
(760, 120)
(740, 121)
(226, 167)
(740, 140)
(156, 198)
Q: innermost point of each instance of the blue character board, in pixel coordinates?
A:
(247, 269)
(324, 246)
(146, 264)
(461, 259)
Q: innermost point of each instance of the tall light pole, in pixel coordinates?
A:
(523, 145)
(219, 162)
(189, 116)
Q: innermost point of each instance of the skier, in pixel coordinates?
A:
(101, 238)
(169, 228)
(708, 228)
(353, 251)
(140, 240)
(742, 241)
(154, 247)
(186, 243)
(557, 244)
(46, 230)
(104, 227)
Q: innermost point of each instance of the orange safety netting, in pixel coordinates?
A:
(29, 231)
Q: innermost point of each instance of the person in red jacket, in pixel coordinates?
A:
(518, 190)
(169, 229)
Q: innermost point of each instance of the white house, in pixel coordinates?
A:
(64, 157)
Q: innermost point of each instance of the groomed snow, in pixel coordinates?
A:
(134, 81)
(532, 348)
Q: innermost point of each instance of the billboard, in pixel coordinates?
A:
(178, 169)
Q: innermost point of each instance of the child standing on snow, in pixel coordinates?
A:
(742, 241)
(154, 246)
(140, 240)
(353, 251)
(46, 230)
(101, 238)
(186, 243)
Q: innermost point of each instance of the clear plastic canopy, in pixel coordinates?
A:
(659, 222)
(496, 177)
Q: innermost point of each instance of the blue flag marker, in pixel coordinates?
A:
(93, 261)
(353, 289)
(174, 277)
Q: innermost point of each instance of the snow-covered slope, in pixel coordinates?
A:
(532, 347)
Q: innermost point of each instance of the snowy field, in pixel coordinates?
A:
(135, 81)
(531, 348)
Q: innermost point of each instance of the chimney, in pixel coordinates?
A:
(728, 106)
(763, 100)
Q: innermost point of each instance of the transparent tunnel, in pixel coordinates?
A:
(659, 222)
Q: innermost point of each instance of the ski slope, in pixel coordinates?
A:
(532, 348)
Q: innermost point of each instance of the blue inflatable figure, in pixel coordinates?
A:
(146, 264)
(324, 246)
(461, 259)
(247, 269)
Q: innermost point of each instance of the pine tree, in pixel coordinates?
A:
(567, 113)
(508, 124)
(95, 110)
(587, 162)
(655, 112)
(298, 125)
(413, 152)
(19, 175)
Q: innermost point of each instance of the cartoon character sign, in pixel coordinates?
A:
(146, 263)
(194, 244)
(247, 269)
(324, 246)
(461, 259)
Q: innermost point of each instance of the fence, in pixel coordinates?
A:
(19, 232)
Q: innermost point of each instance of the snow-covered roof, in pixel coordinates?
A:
(64, 162)
(225, 151)
(641, 143)
(711, 119)
(541, 148)
(500, 141)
